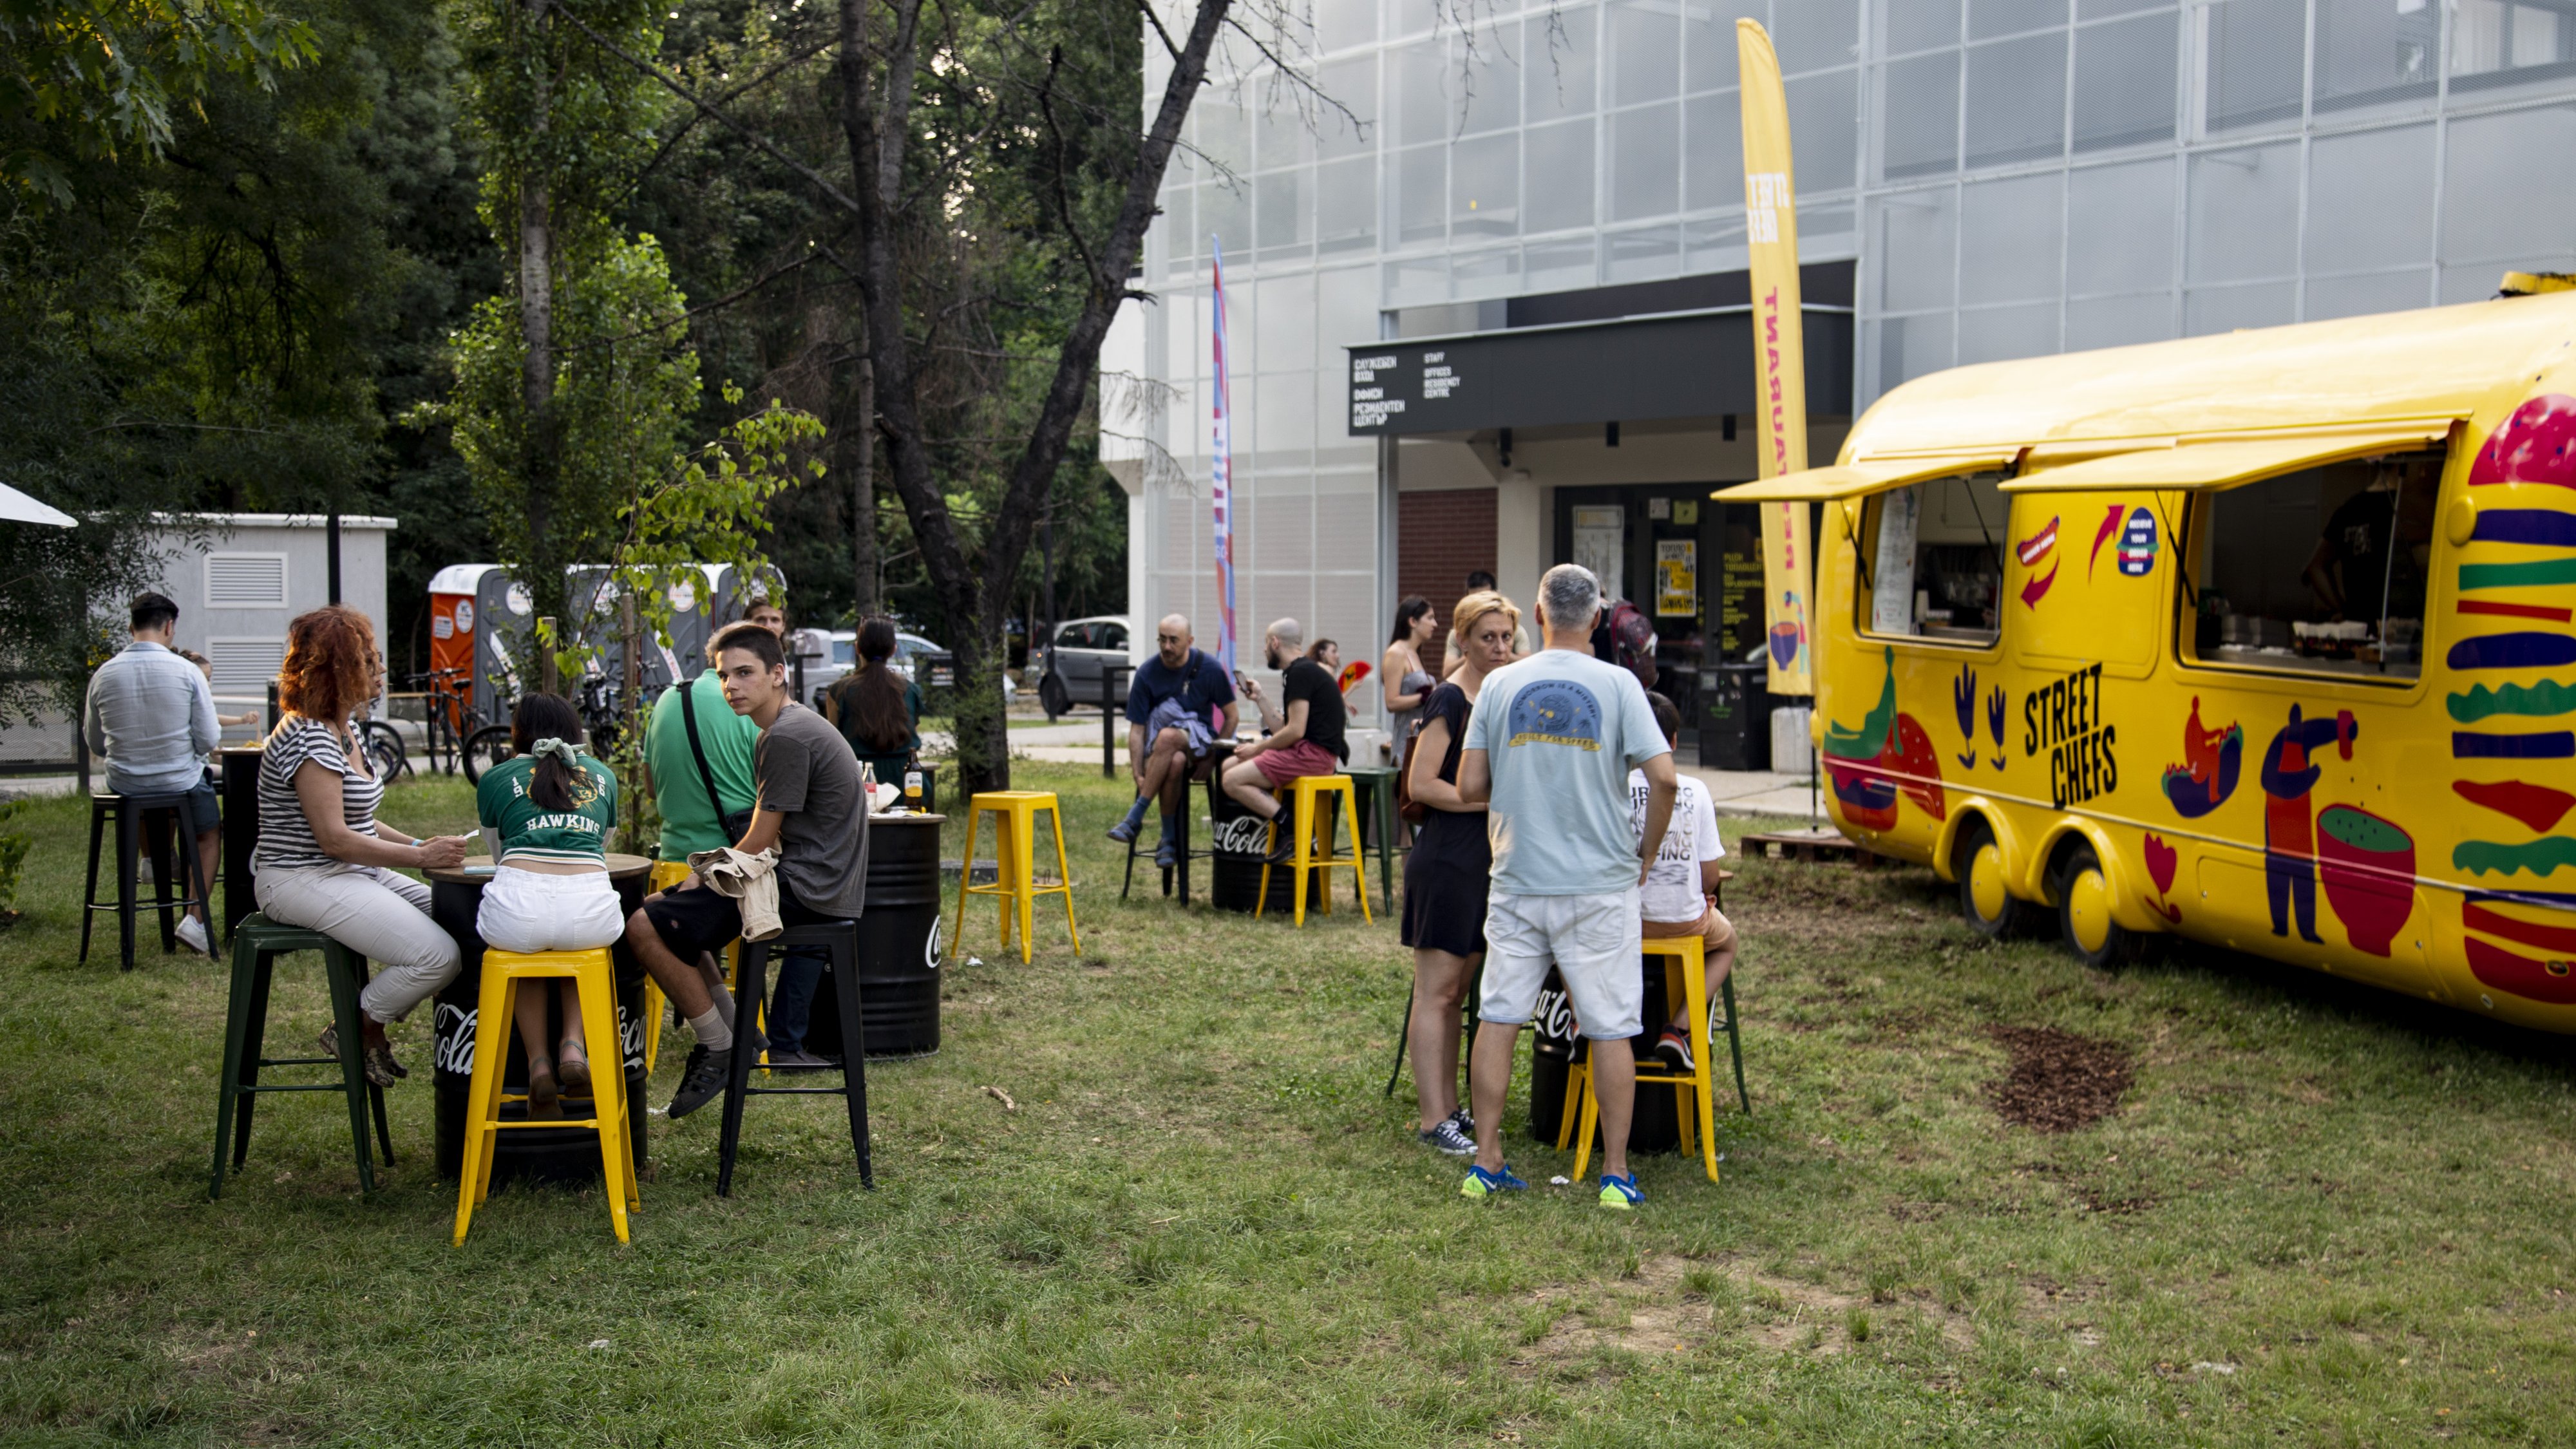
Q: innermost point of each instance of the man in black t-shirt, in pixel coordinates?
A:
(1308, 741)
(2349, 570)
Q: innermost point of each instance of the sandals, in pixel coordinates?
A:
(545, 1097)
(377, 1062)
(572, 1071)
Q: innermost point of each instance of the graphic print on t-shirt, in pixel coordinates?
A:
(1554, 712)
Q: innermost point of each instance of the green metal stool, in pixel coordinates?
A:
(1375, 785)
(257, 943)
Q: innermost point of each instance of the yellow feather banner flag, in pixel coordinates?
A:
(1779, 355)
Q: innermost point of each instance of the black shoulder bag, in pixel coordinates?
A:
(736, 823)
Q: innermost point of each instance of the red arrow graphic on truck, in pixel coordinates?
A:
(2031, 550)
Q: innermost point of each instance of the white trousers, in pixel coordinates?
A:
(375, 912)
(527, 910)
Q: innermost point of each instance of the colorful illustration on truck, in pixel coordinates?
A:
(2211, 761)
(2161, 863)
(2369, 869)
(2541, 857)
(2536, 445)
(2497, 608)
(2031, 550)
(2528, 574)
(2289, 834)
(1963, 702)
(2483, 745)
(1889, 751)
(2546, 699)
(2539, 527)
(2137, 556)
(2064, 717)
(2538, 807)
(2101, 536)
(2548, 978)
(2514, 651)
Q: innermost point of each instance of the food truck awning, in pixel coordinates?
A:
(2213, 466)
(1818, 485)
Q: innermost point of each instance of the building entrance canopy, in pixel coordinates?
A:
(1695, 364)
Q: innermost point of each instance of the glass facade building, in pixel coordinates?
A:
(2004, 178)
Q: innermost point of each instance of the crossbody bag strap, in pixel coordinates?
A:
(697, 752)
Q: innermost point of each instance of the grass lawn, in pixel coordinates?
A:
(2319, 1215)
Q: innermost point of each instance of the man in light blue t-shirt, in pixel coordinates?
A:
(1550, 746)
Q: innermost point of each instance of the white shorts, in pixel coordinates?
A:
(527, 910)
(1592, 941)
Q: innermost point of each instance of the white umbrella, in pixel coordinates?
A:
(17, 507)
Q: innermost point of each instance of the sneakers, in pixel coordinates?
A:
(782, 1057)
(1620, 1193)
(1451, 1136)
(1482, 1184)
(192, 934)
(1674, 1047)
(703, 1079)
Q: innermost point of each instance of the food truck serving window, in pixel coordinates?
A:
(1930, 565)
(2323, 570)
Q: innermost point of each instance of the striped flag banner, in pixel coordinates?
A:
(1222, 493)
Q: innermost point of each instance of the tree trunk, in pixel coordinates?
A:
(536, 333)
(855, 446)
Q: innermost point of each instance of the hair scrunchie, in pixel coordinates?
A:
(569, 754)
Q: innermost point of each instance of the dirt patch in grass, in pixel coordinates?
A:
(1673, 1304)
(2058, 1081)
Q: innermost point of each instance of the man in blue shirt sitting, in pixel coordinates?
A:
(1181, 703)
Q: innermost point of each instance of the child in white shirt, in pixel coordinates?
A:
(1677, 897)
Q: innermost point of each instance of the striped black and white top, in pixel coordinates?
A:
(286, 839)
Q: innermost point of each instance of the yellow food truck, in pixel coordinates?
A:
(2261, 640)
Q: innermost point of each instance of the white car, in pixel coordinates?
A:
(821, 674)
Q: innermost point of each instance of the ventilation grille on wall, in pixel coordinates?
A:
(245, 581)
(245, 665)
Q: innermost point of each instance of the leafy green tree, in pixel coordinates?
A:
(85, 81)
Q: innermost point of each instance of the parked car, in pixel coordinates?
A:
(822, 674)
(1077, 671)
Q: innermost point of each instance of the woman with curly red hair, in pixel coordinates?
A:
(324, 861)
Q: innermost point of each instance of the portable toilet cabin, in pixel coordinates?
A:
(2260, 639)
(480, 628)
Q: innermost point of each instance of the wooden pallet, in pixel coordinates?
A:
(1808, 845)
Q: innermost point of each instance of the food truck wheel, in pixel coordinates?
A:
(1988, 907)
(2084, 911)
(1053, 697)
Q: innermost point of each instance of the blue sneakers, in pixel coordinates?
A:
(1620, 1193)
(1483, 1184)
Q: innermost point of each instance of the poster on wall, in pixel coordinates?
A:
(1676, 578)
(1891, 599)
(1601, 544)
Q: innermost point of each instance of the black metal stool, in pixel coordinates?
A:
(257, 943)
(132, 813)
(842, 937)
(1182, 851)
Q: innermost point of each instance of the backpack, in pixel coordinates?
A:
(1632, 637)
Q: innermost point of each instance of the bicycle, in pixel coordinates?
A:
(449, 708)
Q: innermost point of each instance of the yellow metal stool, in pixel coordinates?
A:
(1015, 828)
(1315, 829)
(666, 874)
(1684, 958)
(496, 1017)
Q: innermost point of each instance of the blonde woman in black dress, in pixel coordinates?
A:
(1446, 873)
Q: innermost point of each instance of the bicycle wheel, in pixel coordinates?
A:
(384, 747)
(484, 749)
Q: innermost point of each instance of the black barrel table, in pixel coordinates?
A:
(899, 946)
(570, 1155)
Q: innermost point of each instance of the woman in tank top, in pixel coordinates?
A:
(1400, 672)
(549, 809)
(1445, 874)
